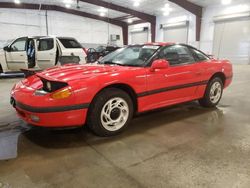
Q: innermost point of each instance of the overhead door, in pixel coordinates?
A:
(176, 34)
(139, 37)
(232, 41)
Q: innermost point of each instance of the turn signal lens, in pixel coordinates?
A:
(65, 93)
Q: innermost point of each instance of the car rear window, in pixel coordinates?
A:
(70, 43)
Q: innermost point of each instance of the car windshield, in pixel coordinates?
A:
(130, 56)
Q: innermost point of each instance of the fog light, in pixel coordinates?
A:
(34, 118)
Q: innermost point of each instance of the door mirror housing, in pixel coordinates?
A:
(6, 48)
(159, 64)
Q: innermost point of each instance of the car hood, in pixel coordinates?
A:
(74, 72)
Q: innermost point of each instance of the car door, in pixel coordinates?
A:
(175, 84)
(16, 56)
(46, 52)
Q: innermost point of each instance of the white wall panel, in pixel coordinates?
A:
(232, 41)
(179, 35)
(175, 18)
(15, 23)
(132, 36)
(208, 25)
(139, 37)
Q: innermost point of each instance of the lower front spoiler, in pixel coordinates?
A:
(72, 118)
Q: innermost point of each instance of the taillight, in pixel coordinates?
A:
(85, 51)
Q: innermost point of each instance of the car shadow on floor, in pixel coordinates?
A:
(189, 113)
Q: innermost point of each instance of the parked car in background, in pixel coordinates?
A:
(130, 80)
(94, 54)
(40, 52)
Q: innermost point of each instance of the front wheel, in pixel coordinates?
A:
(213, 93)
(110, 112)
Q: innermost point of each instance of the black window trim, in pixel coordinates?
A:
(193, 48)
(69, 38)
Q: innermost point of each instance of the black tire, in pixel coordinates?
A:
(1, 69)
(206, 101)
(96, 118)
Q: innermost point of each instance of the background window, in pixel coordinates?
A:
(176, 55)
(199, 56)
(19, 45)
(70, 43)
(45, 44)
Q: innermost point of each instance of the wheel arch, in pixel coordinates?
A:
(126, 88)
(221, 75)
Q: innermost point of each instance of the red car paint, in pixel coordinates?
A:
(152, 89)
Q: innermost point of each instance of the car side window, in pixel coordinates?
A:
(176, 55)
(199, 56)
(19, 45)
(45, 44)
(69, 43)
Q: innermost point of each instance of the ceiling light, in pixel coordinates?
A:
(136, 3)
(17, 1)
(68, 1)
(166, 9)
(103, 10)
(130, 21)
(226, 2)
(102, 14)
(67, 5)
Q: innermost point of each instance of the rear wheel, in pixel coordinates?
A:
(110, 112)
(213, 93)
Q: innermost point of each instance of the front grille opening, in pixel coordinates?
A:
(54, 85)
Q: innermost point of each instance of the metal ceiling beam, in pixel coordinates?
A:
(143, 16)
(194, 9)
(137, 22)
(124, 25)
(124, 17)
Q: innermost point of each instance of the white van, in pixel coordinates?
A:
(46, 52)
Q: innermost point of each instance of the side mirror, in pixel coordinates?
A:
(6, 48)
(159, 64)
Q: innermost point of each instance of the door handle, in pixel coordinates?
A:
(21, 55)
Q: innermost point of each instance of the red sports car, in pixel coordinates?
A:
(107, 94)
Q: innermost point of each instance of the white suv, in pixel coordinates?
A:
(40, 53)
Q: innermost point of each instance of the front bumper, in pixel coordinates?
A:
(60, 116)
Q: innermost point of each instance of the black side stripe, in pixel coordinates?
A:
(143, 94)
(51, 109)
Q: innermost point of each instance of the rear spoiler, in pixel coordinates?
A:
(30, 72)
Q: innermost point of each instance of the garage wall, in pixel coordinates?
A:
(175, 18)
(208, 25)
(15, 23)
(136, 26)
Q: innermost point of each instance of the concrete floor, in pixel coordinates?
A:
(184, 146)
